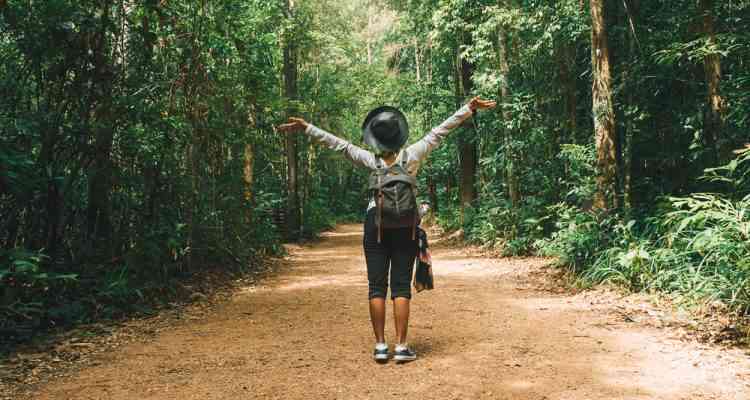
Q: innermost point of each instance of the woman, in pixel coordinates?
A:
(385, 130)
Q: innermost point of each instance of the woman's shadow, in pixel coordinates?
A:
(426, 347)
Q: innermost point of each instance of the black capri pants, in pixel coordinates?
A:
(396, 252)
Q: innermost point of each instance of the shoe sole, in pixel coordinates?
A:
(381, 358)
(403, 359)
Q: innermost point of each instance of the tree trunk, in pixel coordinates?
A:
(248, 176)
(305, 159)
(431, 180)
(715, 111)
(417, 60)
(511, 178)
(429, 70)
(450, 184)
(631, 9)
(567, 62)
(467, 146)
(368, 40)
(603, 110)
(432, 191)
(100, 182)
(290, 92)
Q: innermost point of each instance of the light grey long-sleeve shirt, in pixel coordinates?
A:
(415, 153)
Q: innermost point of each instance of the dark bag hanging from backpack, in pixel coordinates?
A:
(423, 279)
(395, 197)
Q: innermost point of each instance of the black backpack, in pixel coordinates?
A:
(395, 196)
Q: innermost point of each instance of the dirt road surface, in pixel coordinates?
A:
(486, 332)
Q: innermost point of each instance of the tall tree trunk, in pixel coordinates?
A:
(368, 33)
(431, 180)
(303, 183)
(100, 182)
(631, 10)
(467, 146)
(603, 110)
(567, 62)
(450, 184)
(432, 193)
(511, 178)
(148, 38)
(290, 92)
(417, 61)
(248, 176)
(714, 116)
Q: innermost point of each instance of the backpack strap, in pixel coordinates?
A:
(404, 165)
(414, 226)
(379, 163)
(380, 213)
(379, 199)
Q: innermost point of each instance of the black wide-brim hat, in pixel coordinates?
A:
(385, 129)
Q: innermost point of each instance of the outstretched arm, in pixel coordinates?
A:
(421, 149)
(355, 154)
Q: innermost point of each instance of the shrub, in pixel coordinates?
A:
(25, 286)
(697, 248)
(579, 238)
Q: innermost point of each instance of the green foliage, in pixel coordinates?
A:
(735, 175)
(699, 252)
(697, 248)
(498, 225)
(125, 131)
(628, 260)
(579, 239)
(665, 235)
(713, 233)
(24, 281)
(580, 173)
(318, 216)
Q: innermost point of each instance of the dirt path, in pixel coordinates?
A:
(486, 332)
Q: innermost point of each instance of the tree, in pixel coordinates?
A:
(715, 109)
(505, 97)
(290, 92)
(467, 144)
(603, 111)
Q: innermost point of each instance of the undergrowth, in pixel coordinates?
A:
(35, 298)
(696, 247)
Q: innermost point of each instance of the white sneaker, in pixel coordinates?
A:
(381, 352)
(404, 354)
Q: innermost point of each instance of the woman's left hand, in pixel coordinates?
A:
(478, 103)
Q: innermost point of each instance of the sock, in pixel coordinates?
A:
(401, 346)
(381, 346)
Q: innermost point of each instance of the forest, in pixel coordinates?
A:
(139, 142)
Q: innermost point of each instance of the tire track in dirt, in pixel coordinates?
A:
(485, 332)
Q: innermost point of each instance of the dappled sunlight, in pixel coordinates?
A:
(331, 255)
(620, 358)
(331, 260)
(318, 281)
(668, 369)
(521, 385)
(469, 267)
(546, 304)
(349, 234)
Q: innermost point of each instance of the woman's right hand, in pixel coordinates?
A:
(478, 103)
(294, 125)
